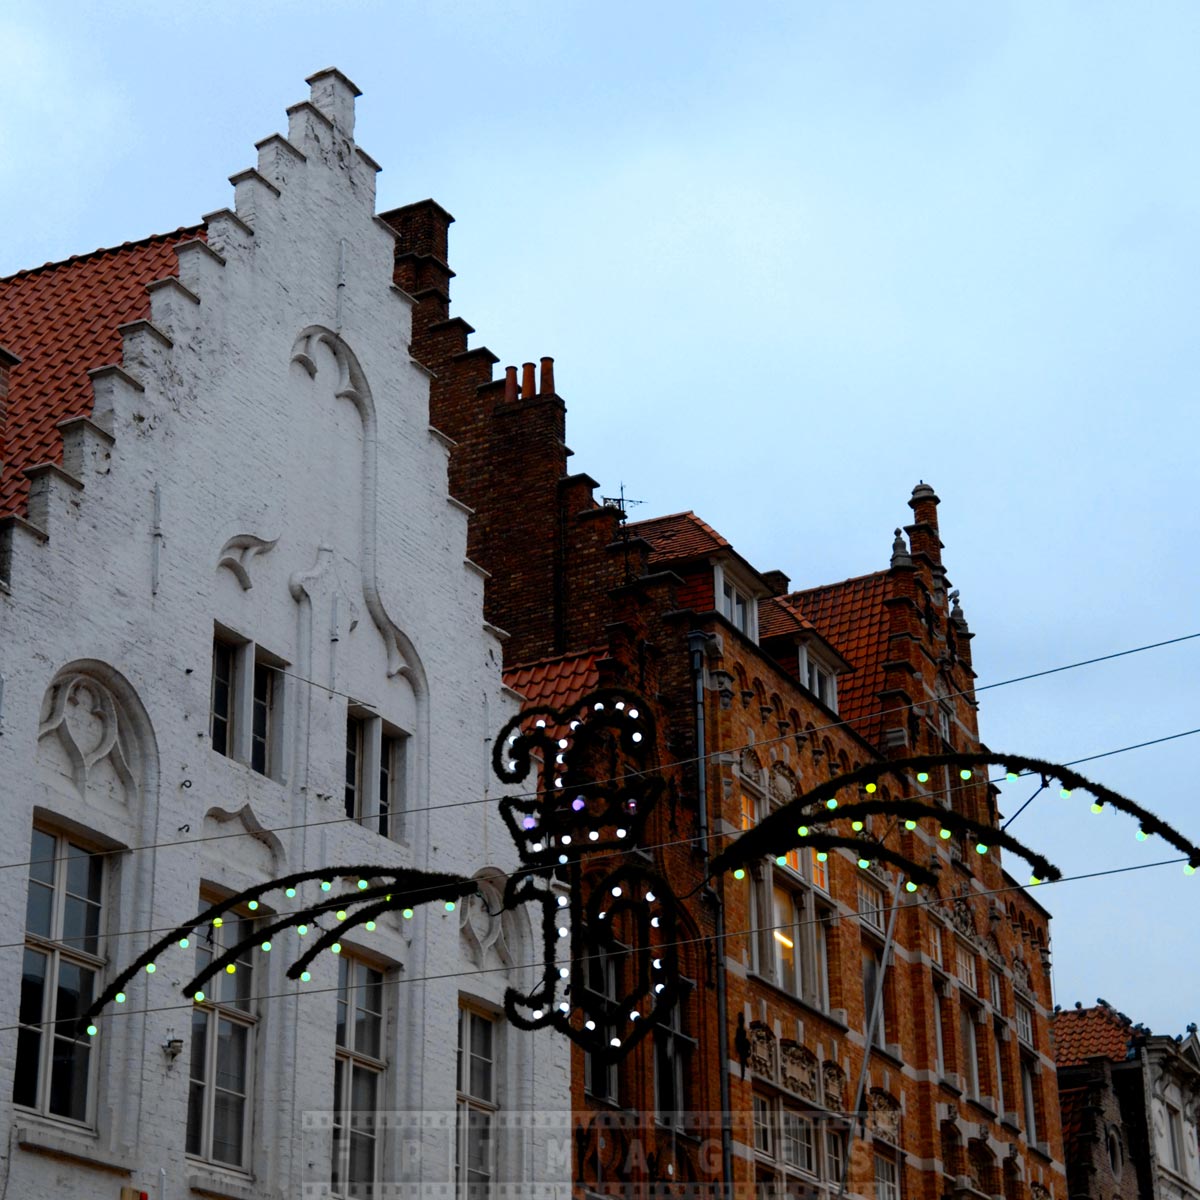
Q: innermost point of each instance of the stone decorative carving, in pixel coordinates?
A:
(1022, 978)
(962, 917)
(82, 715)
(237, 553)
(883, 1115)
(833, 1079)
(1039, 1191)
(251, 824)
(764, 1051)
(484, 924)
(352, 385)
(799, 1069)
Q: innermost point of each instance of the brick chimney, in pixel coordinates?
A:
(777, 581)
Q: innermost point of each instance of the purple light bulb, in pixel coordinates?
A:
(577, 804)
(529, 822)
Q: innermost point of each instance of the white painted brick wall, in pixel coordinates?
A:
(240, 440)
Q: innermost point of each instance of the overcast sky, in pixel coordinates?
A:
(790, 259)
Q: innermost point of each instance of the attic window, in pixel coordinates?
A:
(818, 676)
(735, 606)
(735, 603)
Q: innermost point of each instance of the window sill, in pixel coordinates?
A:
(58, 1142)
(951, 1083)
(982, 1103)
(1042, 1150)
(214, 1183)
(1010, 1121)
(834, 1016)
(889, 1051)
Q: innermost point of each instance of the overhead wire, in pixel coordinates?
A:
(304, 991)
(659, 767)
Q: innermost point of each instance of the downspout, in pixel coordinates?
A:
(697, 646)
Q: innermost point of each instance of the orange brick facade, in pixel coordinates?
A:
(959, 1087)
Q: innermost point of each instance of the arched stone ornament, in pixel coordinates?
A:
(485, 923)
(352, 385)
(883, 1115)
(252, 826)
(237, 553)
(81, 714)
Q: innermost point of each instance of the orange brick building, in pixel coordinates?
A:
(760, 693)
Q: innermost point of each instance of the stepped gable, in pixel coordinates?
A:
(678, 536)
(851, 615)
(556, 682)
(61, 320)
(1083, 1033)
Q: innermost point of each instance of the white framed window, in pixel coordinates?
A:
(788, 942)
(872, 905)
(818, 676)
(786, 1142)
(965, 966)
(1029, 1100)
(835, 1151)
(935, 944)
(475, 1144)
(939, 1040)
(1024, 1016)
(969, 1051)
(59, 977)
(998, 1043)
(887, 1178)
(220, 1091)
(872, 972)
(246, 704)
(735, 603)
(358, 1078)
(997, 992)
(1174, 1139)
(764, 1126)
(797, 1141)
(376, 772)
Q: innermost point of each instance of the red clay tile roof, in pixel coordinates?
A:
(851, 616)
(778, 618)
(61, 320)
(556, 682)
(1083, 1033)
(678, 536)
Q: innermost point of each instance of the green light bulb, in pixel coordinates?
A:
(781, 861)
(965, 774)
(1065, 793)
(863, 863)
(218, 922)
(407, 914)
(870, 788)
(253, 906)
(231, 968)
(980, 848)
(120, 997)
(856, 826)
(341, 914)
(944, 834)
(1012, 776)
(304, 976)
(1188, 869)
(1033, 879)
(831, 802)
(301, 929)
(92, 1031)
(910, 824)
(910, 886)
(1097, 808)
(370, 926)
(290, 893)
(266, 947)
(922, 776)
(325, 885)
(150, 968)
(362, 885)
(336, 948)
(803, 831)
(739, 874)
(198, 997)
(822, 856)
(1141, 835)
(183, 943)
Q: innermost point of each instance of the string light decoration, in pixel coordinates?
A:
(598, 784)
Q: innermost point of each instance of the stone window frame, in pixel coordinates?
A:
(256, 681)
(378, 759)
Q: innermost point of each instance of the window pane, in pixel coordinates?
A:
(199, 1058)
(222, 696)
(81, 924)
(25, 1080)
(363, 1089)
(362, 1164)
(354, 740)
(481, 1056)
(74, 995)
(33, 988)
(479, 1146)
(69, 1078)
(784, 935)
(260, 728)
(84, 872)
(41, 853)
(38, 909)
(195, 1119)
(232, 1043)
(228, 1113)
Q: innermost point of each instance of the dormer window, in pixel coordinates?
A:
(735, 601)
(818, 675)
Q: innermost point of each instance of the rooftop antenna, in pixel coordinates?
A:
(621, 502)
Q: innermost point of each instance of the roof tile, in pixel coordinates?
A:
(556, 682)
(1083, 1033)
(61, 321)
(678, 536)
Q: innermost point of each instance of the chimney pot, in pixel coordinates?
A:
(510, 385)
(528, 383)
(547, 377)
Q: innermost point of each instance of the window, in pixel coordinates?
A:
(672, 1049)
(785, 1144)
(376, 772)
(935, 944)
(964, 965)
(969, 1049)
(872, 905)
(997, 1041)
(246, 724)
(1029, 1099)
(736, 607)
(820, 870)
(835, 1151)
(997, 989)
(887, 1178)
(219, 1094)
(1024, 1023)
(819, 677)
(475, 1144)
(939, 1040)
(872, 977)
(1175, 1139)
(789, 941)
(358, 1072)
(600, 1072)
(59, 977)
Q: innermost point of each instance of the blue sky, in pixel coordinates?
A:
(790, 258)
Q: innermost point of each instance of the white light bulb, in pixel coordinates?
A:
(566, 839)
(620, 833)
(563, 931)
(654, 922)
(620, 704)
(633, 712)
(562, 902)
(614, 1041)
(658, 964)
(564, 973)
(634, 1014)
(564, 1007)
(616, 891)
(562, 858)
(589, 1024)
(659, 987)
(637, 737)
(537, 1014)
(593, 836)
(537, 846)
(649, 897)
(541, 724)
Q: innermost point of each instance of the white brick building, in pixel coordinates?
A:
(234, 606)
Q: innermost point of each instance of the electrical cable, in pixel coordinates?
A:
(699, 940)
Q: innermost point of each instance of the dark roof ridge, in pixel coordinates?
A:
(133, 245)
